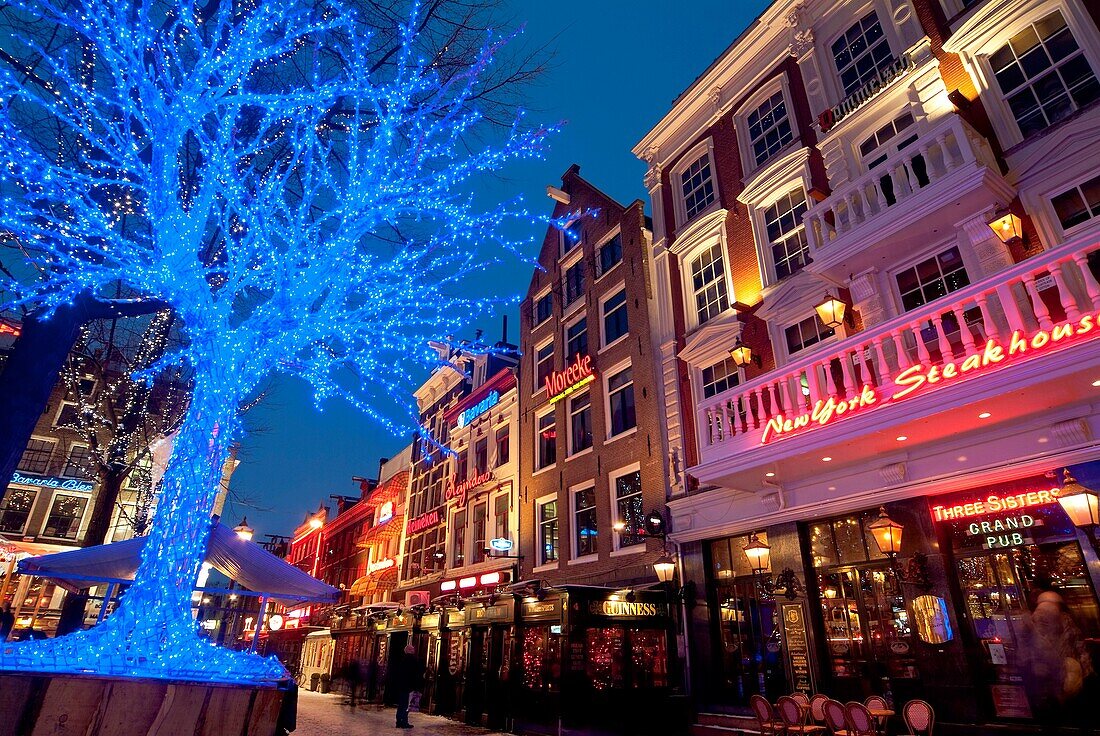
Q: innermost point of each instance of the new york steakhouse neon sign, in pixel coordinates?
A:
(914, 378)
(479, 408)
(577, 374)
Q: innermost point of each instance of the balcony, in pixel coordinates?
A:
(929, 186)
(1015, 337)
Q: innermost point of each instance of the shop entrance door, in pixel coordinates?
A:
(750, 640)
(1000, 588)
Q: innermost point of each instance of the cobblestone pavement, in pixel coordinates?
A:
(327, 715)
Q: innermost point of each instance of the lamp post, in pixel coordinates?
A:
(1082, 506)
(243, 530)
(665, 567)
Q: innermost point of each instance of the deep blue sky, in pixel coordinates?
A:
(616, 66)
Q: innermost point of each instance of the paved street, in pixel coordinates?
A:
(326, 715)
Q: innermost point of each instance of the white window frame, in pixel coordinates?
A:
(83, 515)
(977, 44)
(760, 227)
(612, 478)
(571, 452)
(607, 375)
(562, 253)
(607, 238)
(575, 558)
(38, 493)
(613, 292)
(697, 378)
(741, 125)
(691, 314)
(505, 491)
(973, 270)
(574, 318)
(452, 512)
(837, 335)
(567, 310)
(840, 26)
(685, 161)
(1042, 205)
(538, 386)
(534, 309)
(542, 566)
(551, 409)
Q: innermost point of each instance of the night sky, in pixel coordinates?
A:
(614, 68)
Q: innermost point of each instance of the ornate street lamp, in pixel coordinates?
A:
(1081, 504)
(742, 354)
(665, 567)
(243, 530)
(1007, 226)
(759, 554)
(831, 311)
(887, 534)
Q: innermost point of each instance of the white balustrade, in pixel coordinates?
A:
(947, 329)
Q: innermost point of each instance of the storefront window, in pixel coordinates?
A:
(65, 517)
(604, 664)
(541, 658)
(16, 510)
(649, 658)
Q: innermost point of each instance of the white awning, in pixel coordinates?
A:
(240, 560)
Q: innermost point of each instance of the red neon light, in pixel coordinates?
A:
(382, 564)
(914, 378)
(490, 578)
(460, 490)
(995, 503)
(423, 521)
(6, 329)
(467, 582)
(448, 585)
(560, 384)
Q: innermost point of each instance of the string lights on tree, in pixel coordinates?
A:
(301, 209)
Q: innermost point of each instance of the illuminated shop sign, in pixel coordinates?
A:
(382, 564)
(43, 481)
(461, 490)
(1006, 532)
(994, 504)
(423, 521)
(500, 544)
(913, 379)
(576, 375)
(385, 512)
(479, 408)
(632, 609)
(881, 79)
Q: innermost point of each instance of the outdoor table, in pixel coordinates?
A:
(881, 715)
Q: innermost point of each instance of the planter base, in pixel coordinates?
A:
(98, 706)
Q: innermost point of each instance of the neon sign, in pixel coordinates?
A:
(914, 378)
(995, 503)
(500, 544)
(460, 490)
(382, 564)
(385, 512)
(578, 374)
(479, 408)
(41, 481)
(423, 521)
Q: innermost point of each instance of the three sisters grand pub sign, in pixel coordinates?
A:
(912, 380)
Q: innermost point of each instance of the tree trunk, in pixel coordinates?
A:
(152, 633)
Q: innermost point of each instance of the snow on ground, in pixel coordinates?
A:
(328, 715)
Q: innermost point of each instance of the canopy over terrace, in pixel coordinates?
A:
(240, 560)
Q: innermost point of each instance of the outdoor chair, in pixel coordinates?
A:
(836, 718)
(794, 717)
(766, 718)
(919, 717)
(801, 699)
(817, 708)
(860, 720)
(876, 702)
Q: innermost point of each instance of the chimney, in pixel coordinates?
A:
(504, 335)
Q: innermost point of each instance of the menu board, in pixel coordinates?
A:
(798, 649)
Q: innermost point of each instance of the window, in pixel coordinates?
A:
(458, 539)
(809, 331)
(620, 395)
(1079, 204)
(15, 510)
(884, 135)
(574, 282)
(65, 516)
(480, 524)
(610, 254)
(79, 464)
(584, 522)
(462, 467)
(544, 308)
(787, 236)
(697, 186)
(580, 422)
(1043, 74)
(861, 53)
(615, 318)
(576, 339)
(769, 128)
(720, 377)
(68, 416)
(548, 532)
(481, 456)
(708, 284)
(548, 440)
(503, 445)
(628, 509)
(36, 458)
(500, 517)
(571, 236)
(932, 278)
(544, 364)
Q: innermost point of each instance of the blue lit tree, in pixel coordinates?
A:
(303, 206)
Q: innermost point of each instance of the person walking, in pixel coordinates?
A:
(7, 621)
(407, 677)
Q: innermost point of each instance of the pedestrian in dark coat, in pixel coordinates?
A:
(7, 621)
(407, 677)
